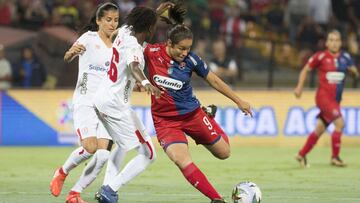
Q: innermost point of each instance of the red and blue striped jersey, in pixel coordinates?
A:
(175, 79)
(331, 71)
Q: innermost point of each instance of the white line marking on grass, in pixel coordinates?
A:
(312, 198)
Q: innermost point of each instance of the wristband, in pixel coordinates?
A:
(145, 82)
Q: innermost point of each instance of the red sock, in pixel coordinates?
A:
(310, 142)
(198, 180)
(336, 143)
(62, 171)
(73, 193)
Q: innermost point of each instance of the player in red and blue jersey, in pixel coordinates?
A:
(332, 66)
(177, 112)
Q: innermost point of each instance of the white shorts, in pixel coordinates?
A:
(87, 123)
(126, 130)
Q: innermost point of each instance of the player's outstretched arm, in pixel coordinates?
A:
(302, 77)
(215, 82)
(139, 76)
(74, 51)
(354, 71)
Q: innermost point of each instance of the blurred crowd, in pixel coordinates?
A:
(224, 30)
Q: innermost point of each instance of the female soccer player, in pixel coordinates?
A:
(177, 112)
(113, 100)
(331, 65)
(94, 51)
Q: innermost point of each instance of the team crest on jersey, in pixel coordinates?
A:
(182, 65)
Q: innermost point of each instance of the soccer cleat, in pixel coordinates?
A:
(57, 182)
(218, 201)
(106, 195)
(97, 196)
(74, 197)
(302, 161)
(210, 110)
(336, 161)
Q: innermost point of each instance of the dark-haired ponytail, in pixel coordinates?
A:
(175, 15)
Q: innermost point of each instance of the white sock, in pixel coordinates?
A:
(116, 158)
(135, 166)
(92, 170)
(76, 157)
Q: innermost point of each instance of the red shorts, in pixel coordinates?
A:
(329, 110)
(197, 124)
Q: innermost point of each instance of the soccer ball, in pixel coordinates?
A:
(246, 192)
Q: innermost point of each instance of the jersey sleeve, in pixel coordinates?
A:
(349, 60)
(314, 60)
(134, 54)
(146, 50)
(83, 39)
(200, 67)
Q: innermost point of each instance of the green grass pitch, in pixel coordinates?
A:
(25, 173)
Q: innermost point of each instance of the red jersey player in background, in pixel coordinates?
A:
(177, 112)
(331, 65)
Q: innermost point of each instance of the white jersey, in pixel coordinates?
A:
(114, 93)
(93, 66)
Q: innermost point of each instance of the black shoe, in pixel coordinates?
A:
(210, 110)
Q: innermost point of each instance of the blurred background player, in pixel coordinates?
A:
(113, 100)
(94, 51)
(5, 70)
(332, 66)
(177, 111)
(222, 64)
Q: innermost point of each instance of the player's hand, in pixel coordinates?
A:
(357, 75)
(297, 92)
(138, 87)
(245, 108)
(77, 49)
(150, 89)
(164, 7)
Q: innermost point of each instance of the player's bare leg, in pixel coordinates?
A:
(221, 149)
(179, 154)
(310, 143)
(79, 155)
(336, 143)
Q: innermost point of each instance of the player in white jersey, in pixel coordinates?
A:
(94, 48)
(113, 100)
